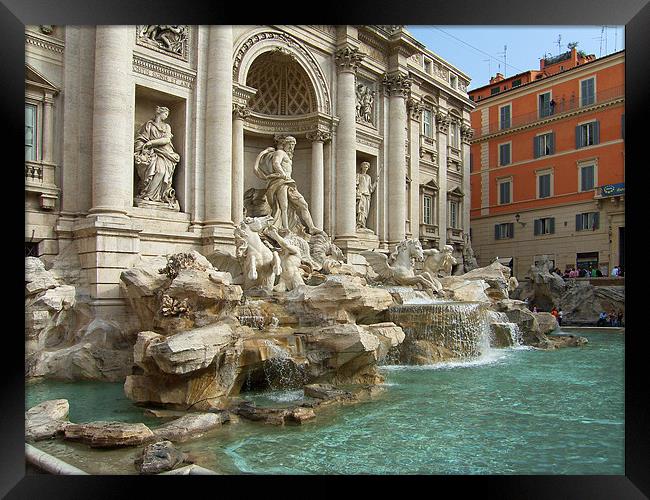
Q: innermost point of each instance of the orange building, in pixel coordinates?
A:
(548, 165)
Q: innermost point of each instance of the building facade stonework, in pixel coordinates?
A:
(347, 94)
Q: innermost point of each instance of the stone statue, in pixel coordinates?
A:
(328, 257)
(365, 99)
(254, 265)
(155, 161)
(290, 259)
(397, 269)
(365, 188)
(469, 260)
(439, 263)
(288, 206)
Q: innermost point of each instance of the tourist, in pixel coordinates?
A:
(554, 312)
(615, 272)
(594, 273)
(535, 308)
(621, 271)
(619, 317)
(599, 273)
(602, 319)
(567, 273)
(559, 316)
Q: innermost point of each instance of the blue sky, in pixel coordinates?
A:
(478, 50)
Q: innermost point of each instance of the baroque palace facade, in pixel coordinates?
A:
(145, 140)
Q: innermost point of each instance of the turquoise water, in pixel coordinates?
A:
(518, 411)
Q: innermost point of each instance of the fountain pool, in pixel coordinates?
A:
(512, 411)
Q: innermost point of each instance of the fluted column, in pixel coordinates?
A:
(239, 114)
(316, 205)
(218, 134)
(348, 60)
(415, 109)
(442, 125)
(48, 128)
(112, 182)
(466, 133)
(397, 86)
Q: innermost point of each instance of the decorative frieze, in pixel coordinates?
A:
(397, 84)
(163, 72)
(49, 44)
(349, 58)
(170, 39)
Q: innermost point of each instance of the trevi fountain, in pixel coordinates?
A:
(284, 358)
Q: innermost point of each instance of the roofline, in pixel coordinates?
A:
(564, 72)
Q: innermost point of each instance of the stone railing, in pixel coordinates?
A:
(454, 234)
(40, 177)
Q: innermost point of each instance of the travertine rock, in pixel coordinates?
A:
(582, 302)
(47, 419)
(547, 322)
(473, 290)
(191, 426)
(159, 457)
(497, 277)
(518, 313)
(340, 299)
(108, 434)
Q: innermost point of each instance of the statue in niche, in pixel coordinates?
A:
(168, 37)
(365, 188)
(288, 206)
(155, 161)
(365, 100)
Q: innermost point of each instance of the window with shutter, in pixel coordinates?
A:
(545, 104)
(504, 154)
(587, 178)
(505, 117)
(587, 92)
(544, 181)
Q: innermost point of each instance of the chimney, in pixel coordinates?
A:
(497, 78)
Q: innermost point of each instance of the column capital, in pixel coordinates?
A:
(466, 132)
(348, 59)
(415, 108)
(397, 84)
(442, 121)
(240, 111)
(318, 136)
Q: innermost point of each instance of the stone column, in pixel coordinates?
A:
(397, 86)
(239, 114)
(316, 206)
(48, 128)
(347, 60)
(218, 134)
(466, 134)
(112, 181)
(415, 109)
(442, 124)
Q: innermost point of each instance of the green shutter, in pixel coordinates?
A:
(552, 225)
(537, 228)
(596, 132)
(578, 222)
(496, 231)
(536, 146)
(552, 142)
(578, 136)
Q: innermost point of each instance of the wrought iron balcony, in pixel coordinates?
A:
(562, 106)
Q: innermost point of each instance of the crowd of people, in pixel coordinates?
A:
(610, 319)
(590, 272)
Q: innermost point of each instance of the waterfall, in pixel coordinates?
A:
(501, 320)
(460, 328)
(280, 369)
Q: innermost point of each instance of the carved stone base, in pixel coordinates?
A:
(365, 230)
(174, 207)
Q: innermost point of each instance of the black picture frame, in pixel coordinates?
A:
(635, 14)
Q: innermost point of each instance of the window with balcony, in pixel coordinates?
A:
(453, 214)
(544, 144)
(504, 154)
(587, 176)
(588, 134)
(588, 91)
(545, 108)
(427, 209)
(427, 123)
(30, 132)
(587, 221)
(544, 185)
(504, 117)
(544, 226)
(504, 231)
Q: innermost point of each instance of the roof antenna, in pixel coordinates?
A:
(505, 51)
